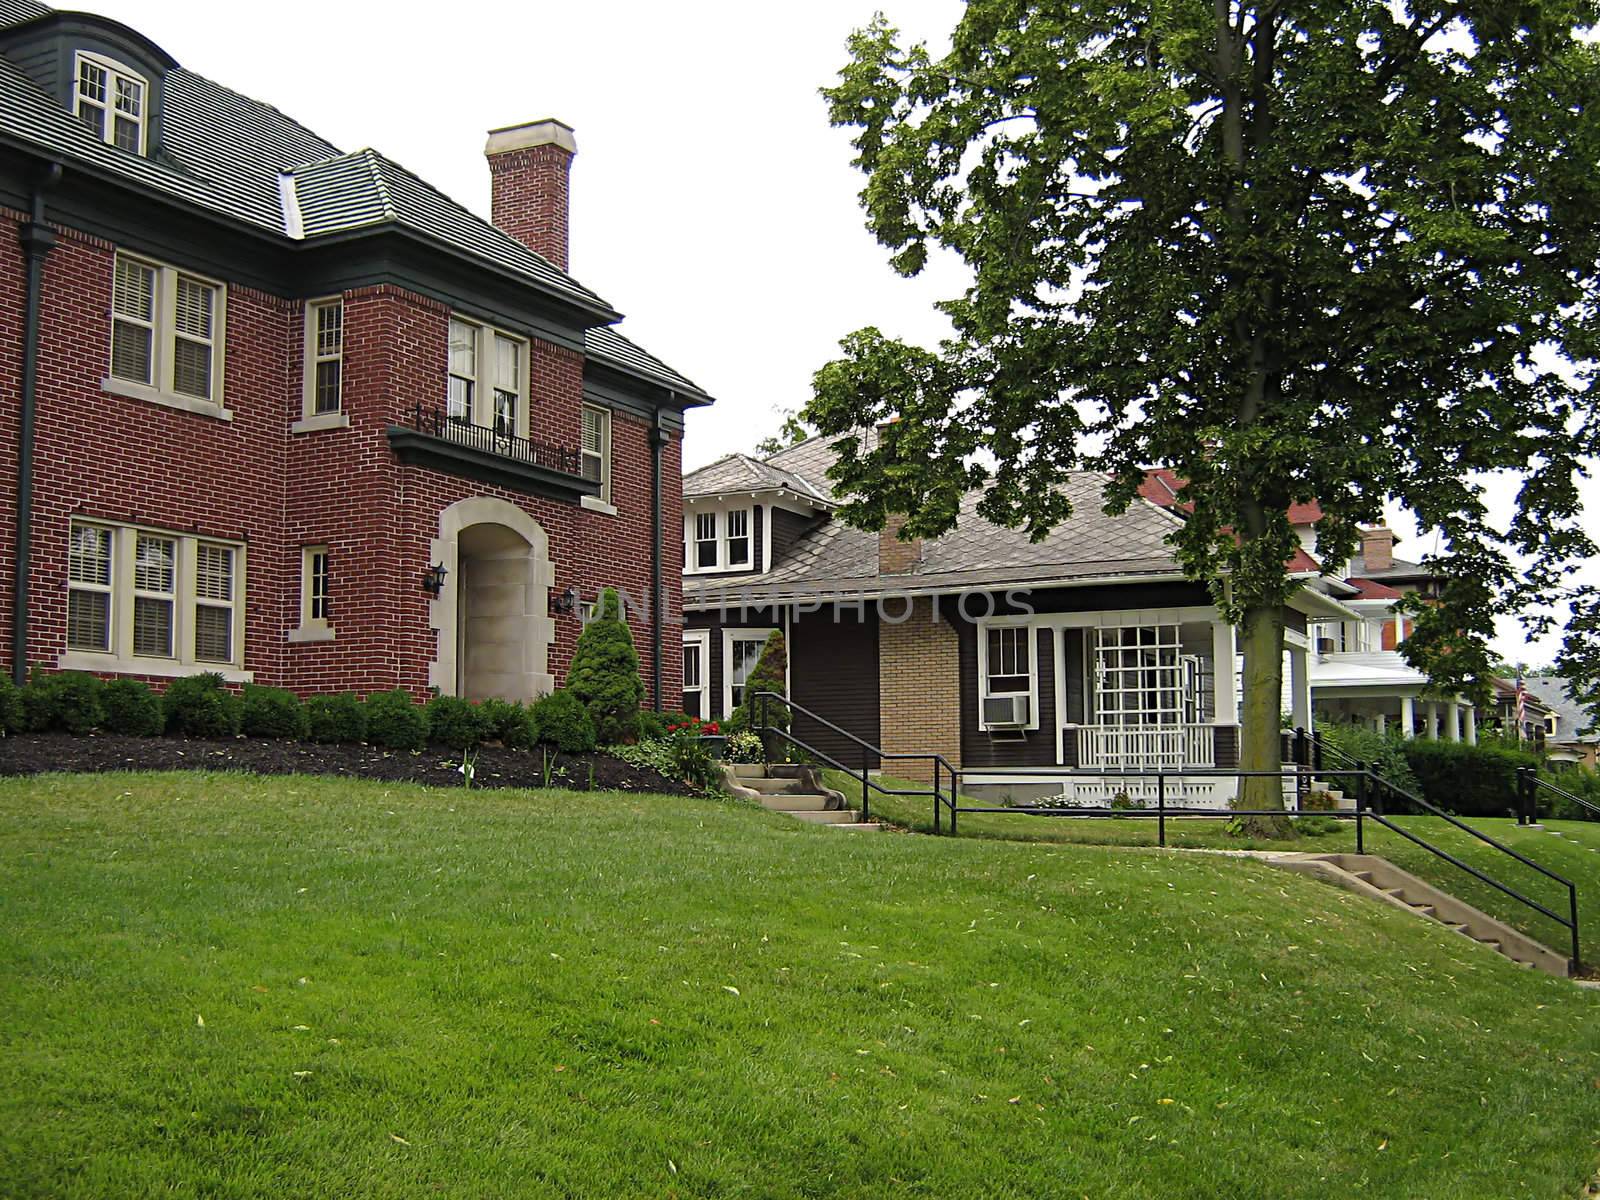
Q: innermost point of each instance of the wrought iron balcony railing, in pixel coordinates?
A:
(490, 439)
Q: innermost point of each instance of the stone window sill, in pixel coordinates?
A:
(160, 668)
(595, 504)
(311, 424)
(139, 391)
(311, 633)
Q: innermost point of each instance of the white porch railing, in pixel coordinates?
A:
(1136, 747)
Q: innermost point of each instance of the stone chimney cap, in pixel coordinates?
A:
(548, 132)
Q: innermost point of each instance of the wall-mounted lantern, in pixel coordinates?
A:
(567, 601)
(433, 579)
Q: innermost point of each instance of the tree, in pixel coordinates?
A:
(604, 674)
(1324, 251)
(771, 674)
(791, 432)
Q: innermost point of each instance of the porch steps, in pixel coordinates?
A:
(1380, 880)
(795, 791)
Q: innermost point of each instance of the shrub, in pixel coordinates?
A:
(132, 708)
(744, 747)
(508, 722)
(1473, 781)
(70, 701)
(1318, 801)
(395, 722)
(1316, 826)
(604, 676)
(454, 722)
(336, 718)
(12, 718)
(199, 706)
(1383, 753)
(770, 675)
(652, 726)
(270, 712)
(564, 722)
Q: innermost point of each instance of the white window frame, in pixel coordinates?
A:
(164, 335)
(729, 637)
(1032, 691)
(484, 377)
(705, 525)
(314, 628)
(717, 535)
(107, 589)
(118, 657)
(728, 536)
(1140, 681)
(603, 415)
(108, 104)
(701, 640)
(313, 356)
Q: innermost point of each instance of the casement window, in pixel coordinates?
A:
(488, 383)
(695, 646)
(324, 395)
(736, 538)
(741, 650)
(111, 102)
(166, 335)
(596, 449)
(150, 600)
(705, 540)
(1141, 677)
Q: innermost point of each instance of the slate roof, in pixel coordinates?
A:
(229, 154)
(1161, 486)
(837, 559)
(742, 473)
(1573, 720)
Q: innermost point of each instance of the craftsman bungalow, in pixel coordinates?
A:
(291, 414)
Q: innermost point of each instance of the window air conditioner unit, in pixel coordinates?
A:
(1005, 712)
(1327, 645)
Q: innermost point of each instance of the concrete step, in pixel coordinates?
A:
(796, 802)
(749, 770)
(822, 816)
(858, 826)
(769, 787)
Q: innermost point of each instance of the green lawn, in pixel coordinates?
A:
(1575, 854)
(229, 986)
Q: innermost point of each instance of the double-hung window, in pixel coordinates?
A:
(166, 335)
(151, 600)
(324, 358)
(742, 650)
(695, 644)
(736, 538)
(705, 540)
(463, 371)
(596, 449)
(488, 383)
(111, 102)
(1007, 666)
(508, 376)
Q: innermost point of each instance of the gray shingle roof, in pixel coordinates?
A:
(837, 559)
(742, 473)
(1573, 720)
(228, 154)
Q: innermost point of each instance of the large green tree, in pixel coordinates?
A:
(1293, 250)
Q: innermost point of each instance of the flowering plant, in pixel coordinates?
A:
(695, 727)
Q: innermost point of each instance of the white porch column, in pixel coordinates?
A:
(1452, 721)
(1408, 717)
(1300, 677)
(1224, 674)
(1433, 721)
(1472, 723)
(1378, 723)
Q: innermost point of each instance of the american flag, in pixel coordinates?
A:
(1522, 705)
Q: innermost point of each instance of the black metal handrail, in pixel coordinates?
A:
(493, 439)
(1528, 785)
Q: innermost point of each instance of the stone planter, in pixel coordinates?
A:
(714, 743)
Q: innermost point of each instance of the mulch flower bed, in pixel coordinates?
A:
(36, 753)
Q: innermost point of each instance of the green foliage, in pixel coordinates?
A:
(508, 722)
(12, 716)
(791, 432)
(395, 722)
(652, 725)
(604, 674)
(1381, 752)
(1316, 826)
(270, 712)
(1581, 782)
(336, 718)
(132, 708)
(771, 674)
(564, 722)
(200, 706)
(1170, 264)
(71, 701)
(744, 747)
(1475, 781)
(454, 722)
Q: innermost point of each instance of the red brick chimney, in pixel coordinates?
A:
(529, 165)
(1377, 549)
(894, 556)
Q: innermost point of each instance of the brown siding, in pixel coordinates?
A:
(1227, 746)
(1035, 748)
(833, 670)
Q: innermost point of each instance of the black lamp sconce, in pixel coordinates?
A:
(433, 579)
(567, 601)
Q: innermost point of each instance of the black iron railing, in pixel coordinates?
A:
(1529, 789)
(495, 439)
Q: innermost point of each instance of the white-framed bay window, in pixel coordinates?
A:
(741, 650)
(1008, 665)
(152, 601)
(488, 380)
(167, 342)
(697, 673)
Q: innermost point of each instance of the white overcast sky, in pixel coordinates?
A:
(711, 202)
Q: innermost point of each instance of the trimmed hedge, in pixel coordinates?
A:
(199, 706)
(132, 708)
(395, 722)
(336, 718)
(454, 722)
(1471, 781)
(271, 712)
(564, 723)
(11, 714)
(510, 723)
(71, 701)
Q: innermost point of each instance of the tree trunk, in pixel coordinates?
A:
(1259, 745)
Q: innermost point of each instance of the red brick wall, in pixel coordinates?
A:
(529, 198)
(252, 479)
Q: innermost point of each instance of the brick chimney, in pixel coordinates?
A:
(529, 167)
(894, 556)
(1377, 549)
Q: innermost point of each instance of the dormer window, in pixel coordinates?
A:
(112, 102)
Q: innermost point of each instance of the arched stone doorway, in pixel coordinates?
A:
(493, 615)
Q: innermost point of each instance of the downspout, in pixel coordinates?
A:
(37, 241)
(658, 438)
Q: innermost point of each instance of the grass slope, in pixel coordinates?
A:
(220, 985)
(1574, 854)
